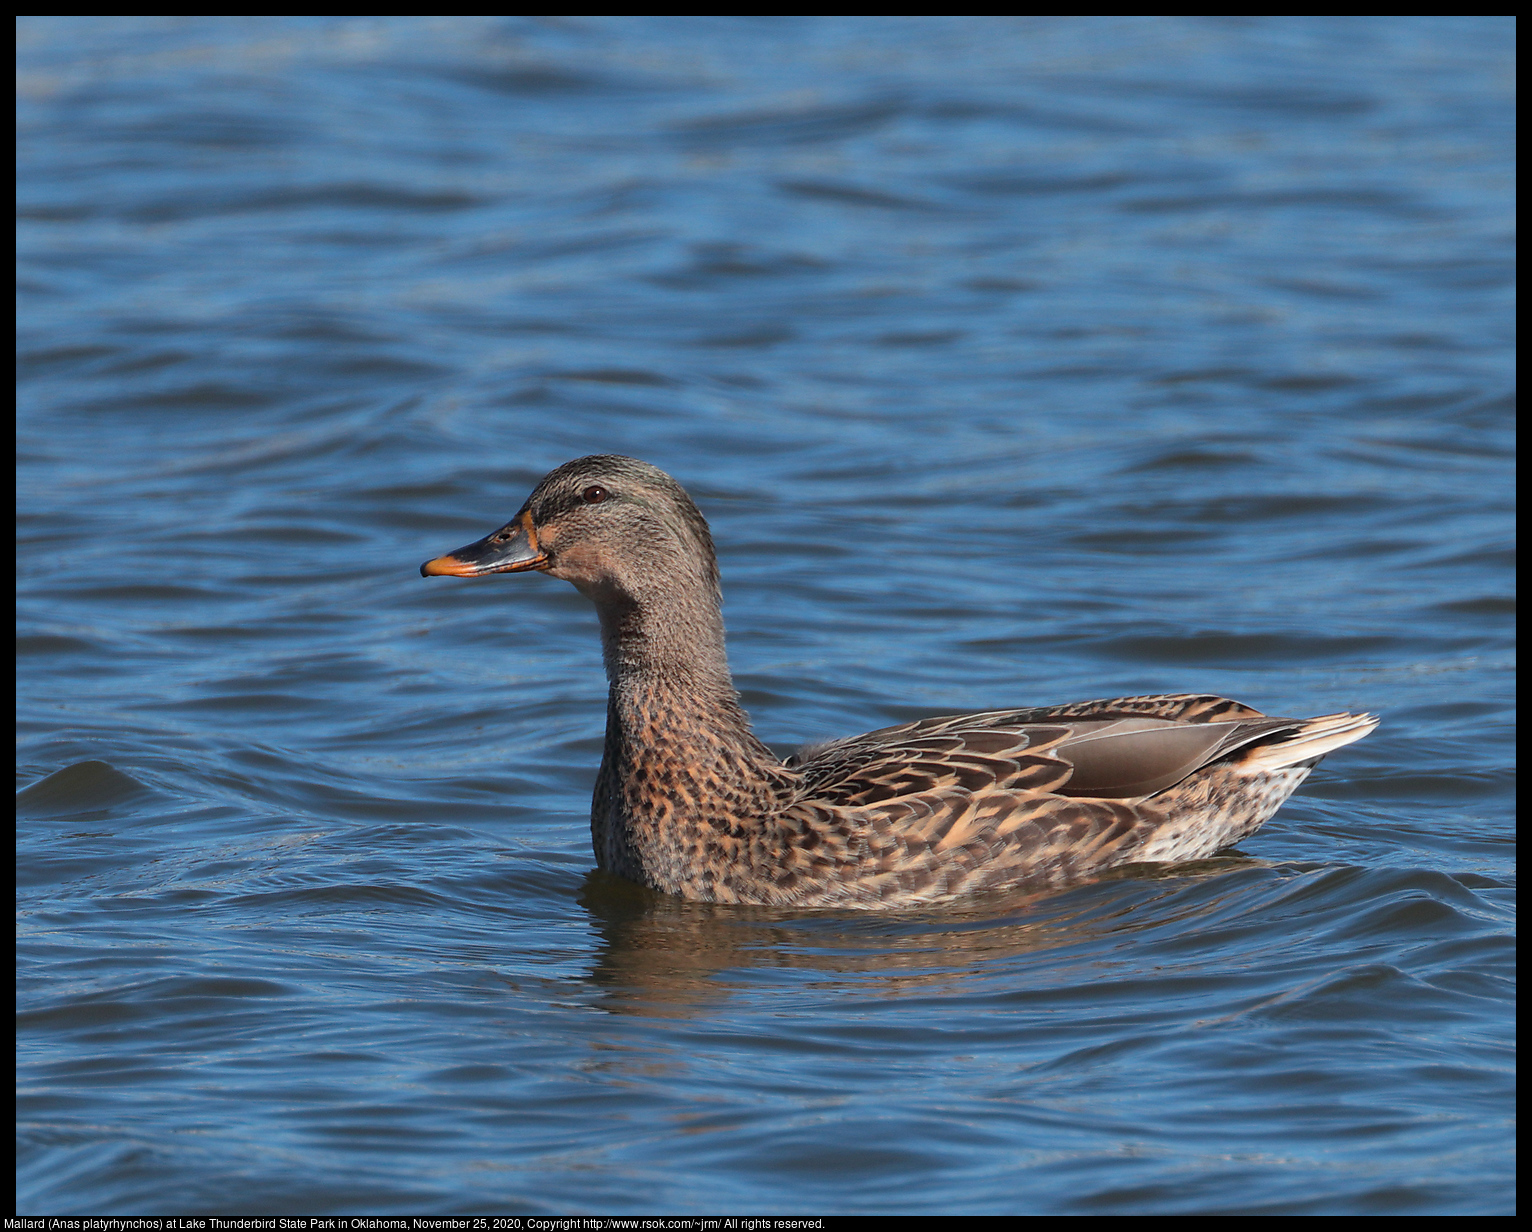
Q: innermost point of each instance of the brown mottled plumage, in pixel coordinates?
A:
(690, 802)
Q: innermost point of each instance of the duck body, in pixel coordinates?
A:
(690, 802)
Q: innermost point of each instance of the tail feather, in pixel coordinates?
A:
(1311, 741)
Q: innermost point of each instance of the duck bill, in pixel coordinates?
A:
(511, 549)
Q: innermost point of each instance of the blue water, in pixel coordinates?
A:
(1013, 361)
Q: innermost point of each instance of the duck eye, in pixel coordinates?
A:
(594, 494)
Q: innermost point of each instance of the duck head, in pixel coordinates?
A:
(619, 529)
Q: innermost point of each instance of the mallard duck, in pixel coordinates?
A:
(690, 802)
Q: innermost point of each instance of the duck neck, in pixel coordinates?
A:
(681, 764)
(664, 642)
(670, 688)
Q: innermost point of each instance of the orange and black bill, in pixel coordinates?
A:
(511, 549)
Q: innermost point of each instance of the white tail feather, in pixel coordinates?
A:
(1314, 739)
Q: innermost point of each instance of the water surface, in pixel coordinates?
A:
(1014, 361)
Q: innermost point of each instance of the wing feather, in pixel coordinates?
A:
(1044, 793)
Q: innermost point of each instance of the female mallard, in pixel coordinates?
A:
(690, 802)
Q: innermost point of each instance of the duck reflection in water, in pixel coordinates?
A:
(664, 957)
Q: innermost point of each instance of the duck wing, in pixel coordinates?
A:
(1045, 794)
(1116, 748)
